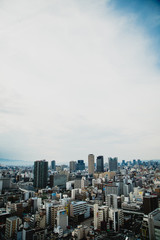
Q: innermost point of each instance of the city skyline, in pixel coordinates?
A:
(79, 77)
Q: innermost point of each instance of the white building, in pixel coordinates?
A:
(62, 219)
(100, 214)
(78, 208)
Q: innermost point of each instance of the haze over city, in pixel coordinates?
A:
(79, 77)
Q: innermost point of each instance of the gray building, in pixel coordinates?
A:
(154, 224)
(62, 219)
(113, 163)
(40, 174)
(58, 180)
(90, 163)
(72, 166)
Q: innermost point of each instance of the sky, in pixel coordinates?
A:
(79, 77)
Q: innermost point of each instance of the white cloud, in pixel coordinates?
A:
(76, 77)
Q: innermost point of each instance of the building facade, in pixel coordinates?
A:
(100, 164)
(40, 174)
(90, 163)
(72, 166)
(113, 163)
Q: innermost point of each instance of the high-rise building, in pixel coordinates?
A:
(100, 215)
(116, 215)
(12, 225)
(54, 209)
(150, 203)
(111, 201)
(113, 164)
(62, 219)
(40, 173)
(72, 166)
(154, 224)
(53, 165)
(90, 163)
(80, 165)
(100, 164)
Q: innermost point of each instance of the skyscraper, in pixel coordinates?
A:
(90, 163)
(53, 165)
(113, 163)
(40, 173)
(100, 164)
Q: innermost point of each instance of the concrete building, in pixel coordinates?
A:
(91, 164)
(72, 166)
(111, 201)
(12, 225)
(100, 215)
(117, 217)
(80, 232)
(154, 224)
(78, 208)
(84, 182)
(74, 192)
(40, 174)
(48, 205)
(54, 210)
(62, 219)
(111, 189)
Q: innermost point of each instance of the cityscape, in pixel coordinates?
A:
(80, 119)
(103, 200)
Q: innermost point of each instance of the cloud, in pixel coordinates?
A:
(79, 77)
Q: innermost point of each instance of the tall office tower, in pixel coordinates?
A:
(113, 164)
(90, 163)
(12, 225)
(40, 173)
(80, 165)
(72, 166)
(150, 203)
(100, 164)
(53, 165)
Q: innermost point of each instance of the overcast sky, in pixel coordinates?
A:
(79, 77)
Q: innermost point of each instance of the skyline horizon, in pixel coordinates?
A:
(64, 163)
